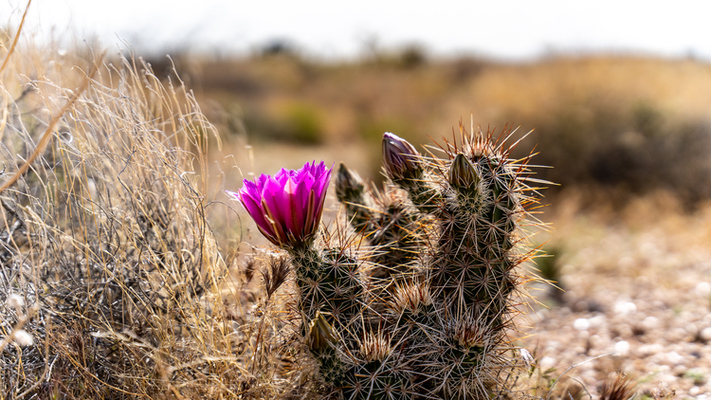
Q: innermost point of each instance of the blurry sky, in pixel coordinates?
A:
(516, 29)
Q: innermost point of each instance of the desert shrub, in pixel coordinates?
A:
(624, 149)
(304, 124)
(615, 127)
(296, 122)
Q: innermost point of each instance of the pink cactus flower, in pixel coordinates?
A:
(287, 207)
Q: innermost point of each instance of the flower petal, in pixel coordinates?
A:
(254, 209)
(287, 207)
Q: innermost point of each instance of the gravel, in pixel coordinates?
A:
(637, 295)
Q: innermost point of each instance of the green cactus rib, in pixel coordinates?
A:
(474, 260)
(390, 224)
(350, 191)
(329, 283)
(331, 296)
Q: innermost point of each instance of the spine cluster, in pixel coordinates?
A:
(431, 315)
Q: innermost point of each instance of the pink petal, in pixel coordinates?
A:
(233, 194)
(294, 217)
(275, 227)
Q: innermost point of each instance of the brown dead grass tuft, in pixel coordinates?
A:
(107, 238)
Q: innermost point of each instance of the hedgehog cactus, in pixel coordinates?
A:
(432, 318)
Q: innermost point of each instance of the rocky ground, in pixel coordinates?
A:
(637, 299)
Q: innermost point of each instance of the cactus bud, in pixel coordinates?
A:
(462, 174)
(400, 158)
(348, 184)
(321, 334)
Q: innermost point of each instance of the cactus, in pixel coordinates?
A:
(433, 317)
(389, 223)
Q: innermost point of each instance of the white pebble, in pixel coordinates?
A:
(703, 289)
(650, 323)
(625, 307)
(547, 363)
(705, 334)
(597, 320)
(672, 358)
(15, 301)
(647, 350)
(581, 324)
(622, 348)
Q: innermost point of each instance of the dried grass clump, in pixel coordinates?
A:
(107, 240)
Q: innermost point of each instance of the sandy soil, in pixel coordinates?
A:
(638, 296)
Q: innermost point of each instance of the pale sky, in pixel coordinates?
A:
(516, 29)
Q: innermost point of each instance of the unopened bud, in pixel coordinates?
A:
(321, 334)
(400, 158)
(462, 174)
(348, 184)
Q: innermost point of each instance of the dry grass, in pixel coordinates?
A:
(107, 240)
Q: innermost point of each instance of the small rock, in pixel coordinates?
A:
(597, 321)
(581, 324)
(625, 307)
(650, 323)
(692, 330)
(703, 289)
(547, 363)
(622, 330)
(622, 348)
(596, 341)
(649, 349)
(705, 334)
(671, 358)
(677, 335)
(679, 370)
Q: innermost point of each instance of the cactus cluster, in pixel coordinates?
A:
(427, 312)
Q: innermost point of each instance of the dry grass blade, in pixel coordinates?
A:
(47, 135)
(16, 39)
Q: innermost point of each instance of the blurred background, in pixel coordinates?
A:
(617, 95)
